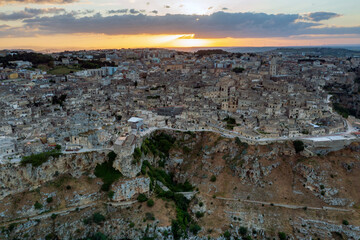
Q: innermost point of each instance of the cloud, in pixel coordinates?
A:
(133, 11)
(155, 11)
(3, 26)
(29, 13)
(320, 16)
(118, 11)
(218, 24)
(3, 2)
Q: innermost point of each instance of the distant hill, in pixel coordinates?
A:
(319, 51)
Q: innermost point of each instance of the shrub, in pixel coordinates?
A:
(240, 143)
(194, 228)
(131, 225)
(298, 145)
(40, 158)
(345, 222)
(213, 178)
(142, 197)
(238, 70)
(50, 236)
(227, 235)
(98, 218)
(38, 205)
(243, 231)
(53, 216)
(11, 227)
(282, 235)
(111, 194)
(199, 214)
(137, 155)
(149, 216)
(150, 203)
(49, 200)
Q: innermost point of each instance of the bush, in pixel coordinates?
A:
(50, 236)
(282, 235)
(298, 145)
(240, 143)
(345, 222)
(111, 194)
(243, 231)
(97, 236)
(38, 205)
(213, 178)
(98, 218)
(149, 216)
(199, 214)
(137, 155)
(11, 227)
(227, 235)
(49, 200)
(150, 203)
(40, 158)
(194, 228)
(238, 70)
(131, 225)
(142, 197)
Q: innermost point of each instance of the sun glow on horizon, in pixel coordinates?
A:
(102, 41)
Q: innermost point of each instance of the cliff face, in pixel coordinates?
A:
(263, 189)
(15, 178)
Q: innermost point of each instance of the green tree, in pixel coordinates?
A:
(282, 236)
(150, 203)
(142, 197)
(38, 205)
(298, 145)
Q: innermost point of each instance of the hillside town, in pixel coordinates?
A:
(93, 99)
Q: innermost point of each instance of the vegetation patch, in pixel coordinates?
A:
(38, 159)
(183, 222)
(230, 122)
(343, 111)
(158, 145)
(298, 145)
(107, 172)
(63, 70)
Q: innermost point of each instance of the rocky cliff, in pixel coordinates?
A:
(236, 190)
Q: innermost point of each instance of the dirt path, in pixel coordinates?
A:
(289, 206)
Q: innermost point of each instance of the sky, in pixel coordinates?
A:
(96, 24)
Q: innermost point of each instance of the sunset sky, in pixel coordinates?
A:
(90, 24)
